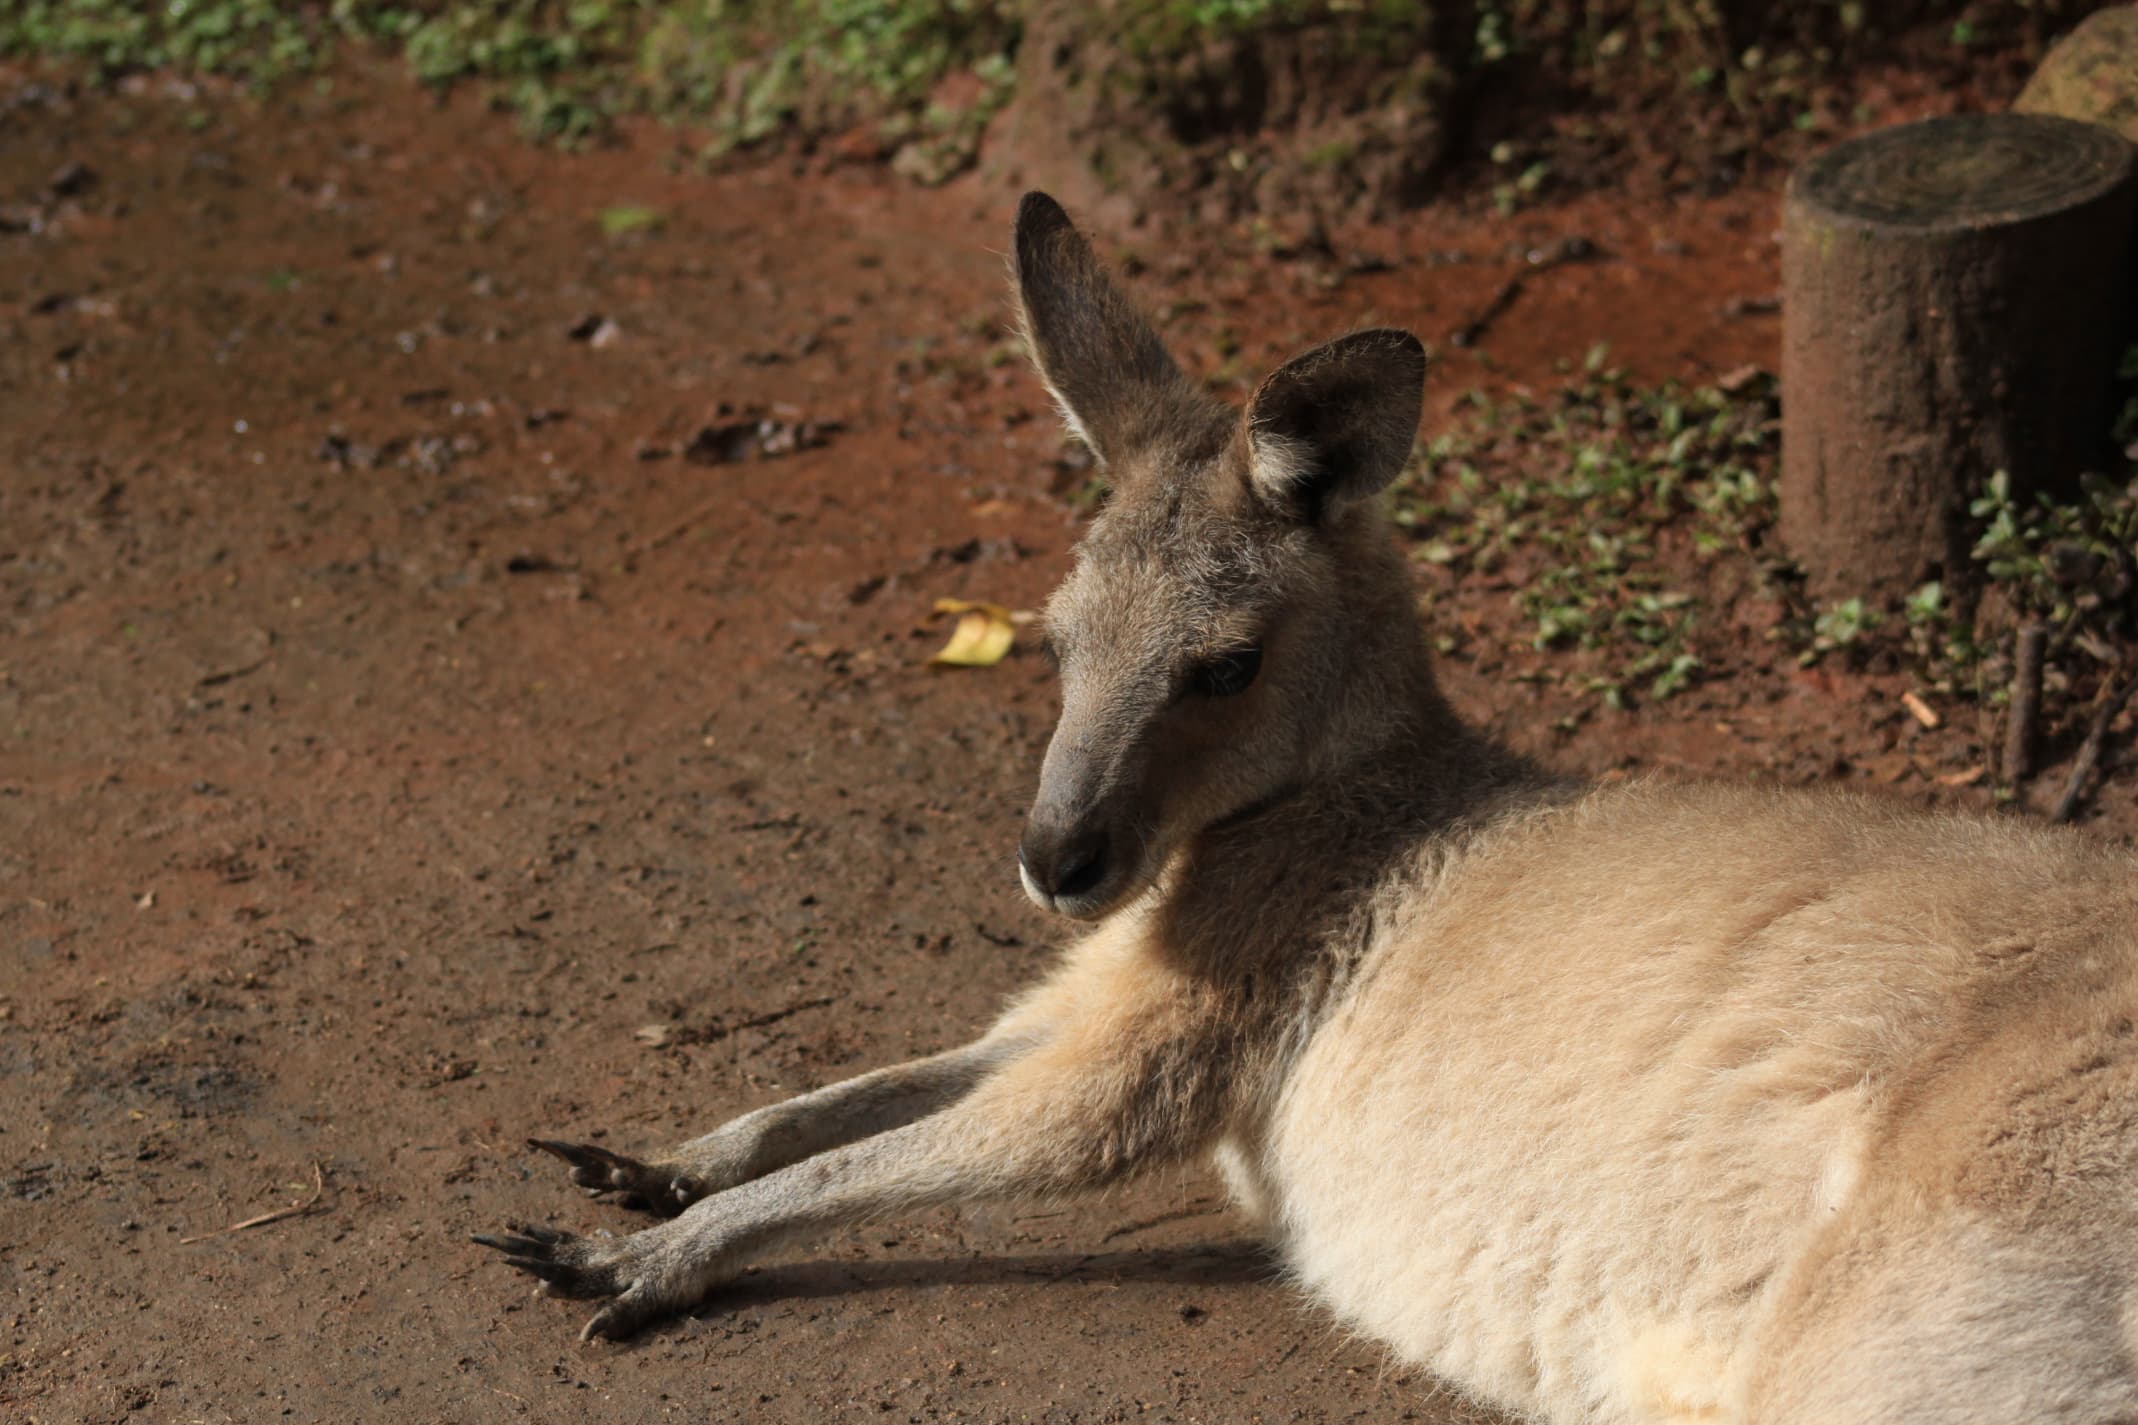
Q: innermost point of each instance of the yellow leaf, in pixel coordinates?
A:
(982, 636)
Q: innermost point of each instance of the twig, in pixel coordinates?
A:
(1921, 711)
(775, 1016)
(319, 1190)
(227, 675)
(1543, 259)
(1468, 333)
(266, 639)
(2110, 703)
(716, 1031)
(2025, 704)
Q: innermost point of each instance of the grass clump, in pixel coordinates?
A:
(250, 39)
(1620, 519)
(754, 69)
(926, 76)
(2068, 563)
(1589, 506)
(565, 68)
(749, 69)
(1388, 29)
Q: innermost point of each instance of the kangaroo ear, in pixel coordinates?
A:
(1107, 369)
(1335, 425)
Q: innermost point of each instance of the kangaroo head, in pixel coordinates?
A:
(1236, 616)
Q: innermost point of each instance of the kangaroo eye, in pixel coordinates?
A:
(1227, 675)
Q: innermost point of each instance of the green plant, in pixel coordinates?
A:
(2069, 564)
(1583, 503)
(557, 65)
(627, 218)
(250, 39)
(1840, 625)
(752, 70)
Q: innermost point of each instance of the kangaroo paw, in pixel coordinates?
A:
(651, 1187)
(645, 1275)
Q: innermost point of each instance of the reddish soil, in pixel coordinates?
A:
(405, 746)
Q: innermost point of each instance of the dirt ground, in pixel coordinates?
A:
(414, 735)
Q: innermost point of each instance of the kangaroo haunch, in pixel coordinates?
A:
(1632, 1104)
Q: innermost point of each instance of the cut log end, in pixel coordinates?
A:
(1955, 295)
(1965, 172)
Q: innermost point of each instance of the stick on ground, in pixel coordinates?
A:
(298, 1209)
(2026, 703)
(2111, 702)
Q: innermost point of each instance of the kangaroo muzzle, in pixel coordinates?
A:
(1062, 863)
(1078, 852)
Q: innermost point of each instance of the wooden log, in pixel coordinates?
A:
(1955, 294)
(2091, 74)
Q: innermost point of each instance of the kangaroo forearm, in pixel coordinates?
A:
(782, 1134)
(1031, 1131)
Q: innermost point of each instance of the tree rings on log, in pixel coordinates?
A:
(1955, 295)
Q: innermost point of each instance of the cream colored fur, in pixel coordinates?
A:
(1610, 1106)
(1713, 1104)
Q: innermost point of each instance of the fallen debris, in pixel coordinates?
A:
(263, 641)
(345, 454)
(2026, 702)
(982, 637)
(2113, 697)
(1738, 308)
(72, 179)
(535, 564)
(756, 438)
(595, 330)
(280, 1214)
(1540, 259)
(666, 1036)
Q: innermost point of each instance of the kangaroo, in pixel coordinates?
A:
(1636, 1103)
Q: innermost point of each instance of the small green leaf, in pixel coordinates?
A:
(630, 218)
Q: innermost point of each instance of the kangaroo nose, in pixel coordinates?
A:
(1063, 865)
